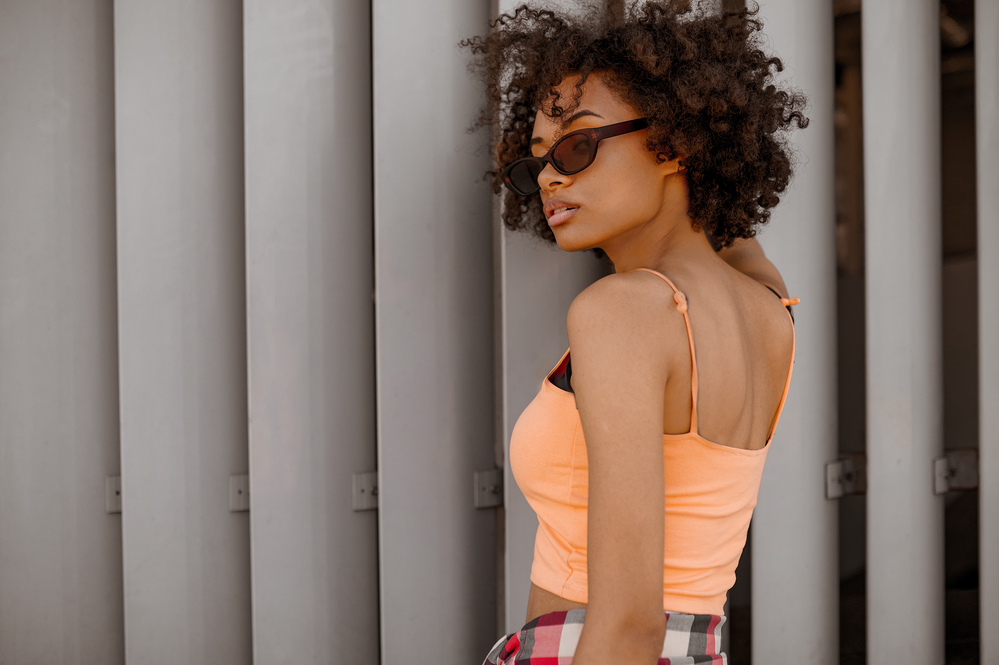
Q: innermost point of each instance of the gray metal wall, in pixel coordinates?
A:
(182, 330)
(187, 206)
(904, 345)
(434, 335)
(252, 239)
(310, 323)
(60, 552)
(794, 527)
(987, 138)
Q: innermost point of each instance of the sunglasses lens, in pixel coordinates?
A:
(573, 154)
(570, 155)
(523, 176)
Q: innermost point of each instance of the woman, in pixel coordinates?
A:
(642, 454)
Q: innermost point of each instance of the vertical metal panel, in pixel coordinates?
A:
(901, 98)
(987, 137)
(434, 322)
(60, 553)
(537, 285)
(310, 330)
(795, 566)
(181, 307)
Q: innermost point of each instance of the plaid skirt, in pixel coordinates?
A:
(691, 639)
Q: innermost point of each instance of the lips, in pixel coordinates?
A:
(559, 210)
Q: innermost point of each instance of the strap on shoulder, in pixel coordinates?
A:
(787, 302)
(681, 305)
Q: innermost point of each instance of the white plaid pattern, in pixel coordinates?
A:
(551, 639)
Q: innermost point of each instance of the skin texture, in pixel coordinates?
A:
(631, 362)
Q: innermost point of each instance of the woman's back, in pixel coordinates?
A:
(742, 340)
(710, 485)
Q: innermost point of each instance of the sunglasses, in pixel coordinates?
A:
(571, 154)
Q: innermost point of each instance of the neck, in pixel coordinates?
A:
(659, 242)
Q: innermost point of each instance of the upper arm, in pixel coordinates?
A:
(620, 367)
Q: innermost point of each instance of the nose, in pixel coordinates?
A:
(550, 179)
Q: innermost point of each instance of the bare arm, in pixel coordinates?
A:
(746, 256)
(619, 370)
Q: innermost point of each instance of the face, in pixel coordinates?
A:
(619, 195)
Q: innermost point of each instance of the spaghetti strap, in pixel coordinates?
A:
(787, 382)
(681, 305)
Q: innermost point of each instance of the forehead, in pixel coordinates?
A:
(595, 96)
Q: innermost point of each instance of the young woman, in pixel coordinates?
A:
(656, 138)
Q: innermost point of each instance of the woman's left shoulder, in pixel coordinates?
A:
(624, 293)
(631, 306)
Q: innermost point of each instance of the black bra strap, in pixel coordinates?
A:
(789, 310)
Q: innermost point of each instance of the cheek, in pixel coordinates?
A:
(616, 206)
(630, 194)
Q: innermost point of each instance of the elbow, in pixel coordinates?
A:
(653, 634)
(640, 636)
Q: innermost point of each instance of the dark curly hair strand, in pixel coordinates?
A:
(703, 81)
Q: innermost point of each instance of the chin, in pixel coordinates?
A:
(572, 242)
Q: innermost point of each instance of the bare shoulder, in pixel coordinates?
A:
(769, 309)
(768, 321)
(621, 292)
(625, 310)
(629, 299)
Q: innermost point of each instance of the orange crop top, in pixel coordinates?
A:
(711, 491)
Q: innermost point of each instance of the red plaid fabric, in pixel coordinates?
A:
(551, 639)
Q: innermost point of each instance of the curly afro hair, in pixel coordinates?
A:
(703, 81)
